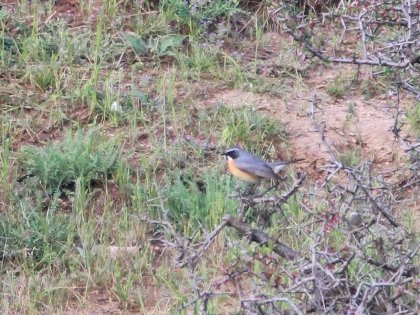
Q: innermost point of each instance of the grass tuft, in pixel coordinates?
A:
(414, 119)
(337, 88)
(248, 128)
(198, 16)
(33, 239)
(351, 157)
(193, 201)
(58, 165)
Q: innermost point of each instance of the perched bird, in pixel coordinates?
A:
(250, 168)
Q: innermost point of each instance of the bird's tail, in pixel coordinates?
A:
(278, 166)
(281, 165)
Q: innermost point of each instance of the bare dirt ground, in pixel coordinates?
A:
(351, 122)
(369, 128)
(372, 125)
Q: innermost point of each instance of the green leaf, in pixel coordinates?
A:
(139, 46)
(166, 44)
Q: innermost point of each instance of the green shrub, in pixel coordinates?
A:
(198, 14)
(192, 201)
(87, 157)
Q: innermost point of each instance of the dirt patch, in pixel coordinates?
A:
(37, 137)
(76, 15)
(69, 10)
(8, 4)
(99, 302)
(349, 123)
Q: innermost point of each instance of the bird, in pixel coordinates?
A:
(250, 168)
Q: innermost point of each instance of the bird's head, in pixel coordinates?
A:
(232, 153)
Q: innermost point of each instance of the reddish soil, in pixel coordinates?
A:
(68, 10)
(367, 128)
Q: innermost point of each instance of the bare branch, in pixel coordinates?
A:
(262, 238)
(274, 300)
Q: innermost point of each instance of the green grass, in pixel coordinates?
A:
(244, 127)
(198, 200)
(337, 88)
(350, 157)
(200, 58)
(197, 16)
(79, 157)
(111, 124)
(414, 119)
(34, 240)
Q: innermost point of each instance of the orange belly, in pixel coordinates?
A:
(242, 175)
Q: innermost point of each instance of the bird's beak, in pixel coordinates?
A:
(224, 153)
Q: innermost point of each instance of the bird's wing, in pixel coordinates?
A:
(256, 167)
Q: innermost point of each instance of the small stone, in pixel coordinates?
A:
(115, 107)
